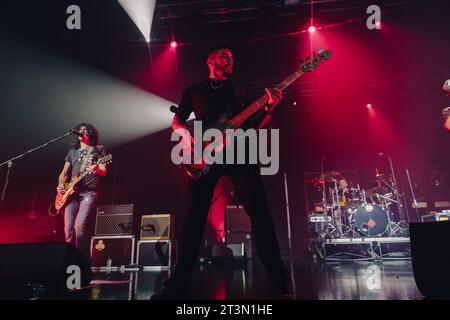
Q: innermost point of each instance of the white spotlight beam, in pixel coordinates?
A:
(49, 94)
(141, 12)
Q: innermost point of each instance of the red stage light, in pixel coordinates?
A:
(378, 24)
(369, 106)
(173, 44)
(312, 29)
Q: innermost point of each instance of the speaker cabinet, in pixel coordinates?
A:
(237, 220)
(46, 264)
(430, 254)
(118, 249)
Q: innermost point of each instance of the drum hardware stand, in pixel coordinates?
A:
(396, 192)
(324, 201)
(351, 233)
(329, 230)
(288, 216)
(413, 194)
(393, 226)
(336, 208)
(330, 234)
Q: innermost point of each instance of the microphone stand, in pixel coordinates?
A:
(9, 163)
(324, 196)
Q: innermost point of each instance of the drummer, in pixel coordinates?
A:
(346, 203)
(344, 192)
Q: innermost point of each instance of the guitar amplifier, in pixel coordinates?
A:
(118, 249)
(114, 220)
(238, 229)
(237, 220)
(228, 252)
(438, 216)
(156, 227)
(241, 237)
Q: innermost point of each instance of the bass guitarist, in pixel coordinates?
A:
(209, 100)
(80, 210)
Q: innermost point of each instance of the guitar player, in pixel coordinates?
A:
(208, 100)
(80, 210)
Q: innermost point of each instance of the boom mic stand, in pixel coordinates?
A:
(9, 163)
(413, 195)
(394, 188)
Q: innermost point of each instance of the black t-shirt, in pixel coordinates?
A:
(215, 101)
(211, 100)
(76, 157)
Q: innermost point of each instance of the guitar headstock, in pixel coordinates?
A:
(105, 160)
(446, 113)
(311, 63)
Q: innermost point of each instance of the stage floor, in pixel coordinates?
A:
(361, 280)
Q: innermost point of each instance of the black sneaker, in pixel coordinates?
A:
(173, 291)
(280, 287)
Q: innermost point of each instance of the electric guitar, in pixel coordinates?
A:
(62, 199)
(199, 168)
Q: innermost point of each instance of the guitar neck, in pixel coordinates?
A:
(244, 115)
(78, 179)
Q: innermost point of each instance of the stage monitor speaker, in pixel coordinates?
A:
(45, 264)
(430, 254)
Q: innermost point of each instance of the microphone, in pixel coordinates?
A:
(174, 109)
(76, 133)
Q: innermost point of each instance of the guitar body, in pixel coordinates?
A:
(199, 168)
(61, 200)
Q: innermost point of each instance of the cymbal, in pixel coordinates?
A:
(314, 181)
(382, 176)
(377, 190)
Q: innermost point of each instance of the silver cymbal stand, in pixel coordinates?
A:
(329, 229)
(395, 226)
(413, 195)
(336, 208)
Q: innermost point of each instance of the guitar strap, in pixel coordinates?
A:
(86, 160)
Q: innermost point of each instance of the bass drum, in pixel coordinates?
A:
(371, 220)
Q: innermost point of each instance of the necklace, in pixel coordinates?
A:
(215, 87)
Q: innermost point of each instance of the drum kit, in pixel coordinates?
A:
(356, 212)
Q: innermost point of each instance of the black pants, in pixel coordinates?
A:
(249, 187)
